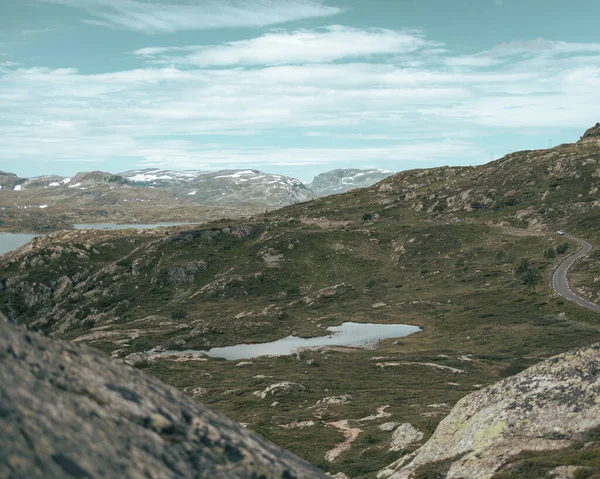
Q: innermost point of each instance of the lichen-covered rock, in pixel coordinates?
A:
(67, 410)
(545, 407)
(279, 389)
(405, 435)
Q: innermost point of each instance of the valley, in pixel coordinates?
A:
(438, 249)
(53, 203)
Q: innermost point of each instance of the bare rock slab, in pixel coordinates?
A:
(68, 411)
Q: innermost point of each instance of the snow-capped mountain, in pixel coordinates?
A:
(226, 187)
(160, 178)
(340, 181)
(251, 188)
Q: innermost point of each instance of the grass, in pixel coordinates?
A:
(584, 454)
(449, 271)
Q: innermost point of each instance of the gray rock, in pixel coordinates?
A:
(67, 410)
(405, 435)
(545, 407)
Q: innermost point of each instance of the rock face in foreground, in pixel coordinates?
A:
(69, 411)
(545, 407)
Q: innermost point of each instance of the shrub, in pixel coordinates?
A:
(524, 265)
(178, 314)
(563, 248)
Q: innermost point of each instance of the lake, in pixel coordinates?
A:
(363, 335)
(10, 241)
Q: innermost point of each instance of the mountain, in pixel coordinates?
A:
(50, 203)
(155, 195)
(437, 248)
(543, 422)
(340, 181)
(8, 181)
(69, 411)
(226, 187)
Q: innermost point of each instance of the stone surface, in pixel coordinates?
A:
(543, 408)
(405, 435)
(67, 410)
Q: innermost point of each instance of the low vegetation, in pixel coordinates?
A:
(437, 248)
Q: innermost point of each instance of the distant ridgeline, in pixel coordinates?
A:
(221, 188)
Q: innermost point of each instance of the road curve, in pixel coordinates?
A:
(560, 282)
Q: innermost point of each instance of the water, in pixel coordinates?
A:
(348, 334)
(10, 241)
(113, 226)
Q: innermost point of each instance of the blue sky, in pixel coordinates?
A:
(296, 87)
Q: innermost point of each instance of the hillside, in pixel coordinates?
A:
(69, 411)
(435, 248)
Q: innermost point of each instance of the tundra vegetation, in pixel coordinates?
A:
(437, 248)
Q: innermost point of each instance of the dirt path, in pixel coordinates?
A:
(350, 435)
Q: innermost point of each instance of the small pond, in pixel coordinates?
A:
(363, 335)
(10, 241)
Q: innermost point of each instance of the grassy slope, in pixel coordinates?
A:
(439, 254)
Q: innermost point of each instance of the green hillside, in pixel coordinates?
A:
(436, 248)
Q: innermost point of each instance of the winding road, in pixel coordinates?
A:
(560, 282)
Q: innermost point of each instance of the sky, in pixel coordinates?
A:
(295, 87)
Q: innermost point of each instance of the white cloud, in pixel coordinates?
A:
(540, 46)
(164, 16)
(198, 118)
(36, 31)
(301, 46)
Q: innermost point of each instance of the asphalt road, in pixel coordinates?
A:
(560, 282)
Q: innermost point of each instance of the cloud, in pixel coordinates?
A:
(164, 16)
(363, 110)
(301, 46)
(36, 31)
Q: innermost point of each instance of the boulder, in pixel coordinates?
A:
(546, 407)
(67, 410)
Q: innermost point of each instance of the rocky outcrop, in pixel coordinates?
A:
(68, 411)
(405, 435)
(546, 407)
(592, 133)
(8, 181)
